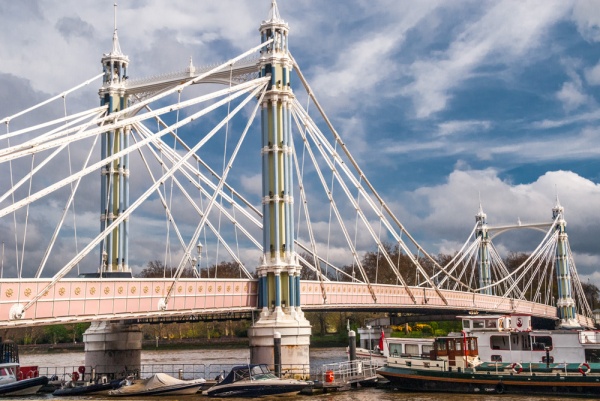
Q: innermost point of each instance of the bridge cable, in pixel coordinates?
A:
(355, 165)
(69, 201)
(220, 186)
(332, 201)
(134, 206)
(199, 209)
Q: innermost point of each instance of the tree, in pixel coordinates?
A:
(592, 294)
(157, 269)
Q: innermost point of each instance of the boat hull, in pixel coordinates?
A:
(23, 387)
(98, 389)
(171, 390)
(469, 382)
(255, 389)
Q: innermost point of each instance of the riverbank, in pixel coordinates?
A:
(181, 344)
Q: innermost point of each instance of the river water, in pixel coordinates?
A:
(173, 359)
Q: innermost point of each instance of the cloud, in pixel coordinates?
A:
(572, 96)
(587, 18)
(505, 35)
(462, 127)
(592, 75)
(440, 213)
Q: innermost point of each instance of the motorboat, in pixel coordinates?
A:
(99, 386)
(10, 374)
(254, 380)
(157, 384)
(9, 385)
(454, 365)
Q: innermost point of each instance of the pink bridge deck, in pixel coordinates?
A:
(73, 300)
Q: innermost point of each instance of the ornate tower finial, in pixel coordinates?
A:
(116, 49)
(274, 13)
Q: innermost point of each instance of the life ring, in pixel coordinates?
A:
(81, 369)
(516, 367)
(74, 376)
(500, 388)
(587, 368)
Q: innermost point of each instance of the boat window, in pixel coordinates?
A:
(395, 349)
(411, 349)
(257, 370)
(459, 346)
(441, 345)
(496, 358)
(427, 349)
(451, 345)
(499, 342)
(490, 323)
(478, 324)
(466, 324)
(541, 342)
(472, 344)
(3, 372)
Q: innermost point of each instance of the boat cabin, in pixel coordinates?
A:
(441, 353)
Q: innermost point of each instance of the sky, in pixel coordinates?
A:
(446, 105)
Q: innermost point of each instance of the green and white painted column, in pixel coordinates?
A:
(485, 277)
(114, 348)
(114, 189)
(565, 303)
(279, 272)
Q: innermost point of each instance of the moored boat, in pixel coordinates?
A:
(98, 387)
(454, 366)
(254, 381)
(157, 384)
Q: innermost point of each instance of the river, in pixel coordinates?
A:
(173, 359)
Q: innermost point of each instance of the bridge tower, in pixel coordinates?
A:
(485, 277)
(114, 347)
(279, 272)
(114, 189)
(565, 303)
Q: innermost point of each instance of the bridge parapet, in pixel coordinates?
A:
(106, 299)
(357, 295)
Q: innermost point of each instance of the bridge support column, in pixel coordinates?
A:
(279, 272)
(113, 348)
(295, 344)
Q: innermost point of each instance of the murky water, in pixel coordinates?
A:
(319, 356)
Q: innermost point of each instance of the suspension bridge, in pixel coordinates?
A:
(237, 162)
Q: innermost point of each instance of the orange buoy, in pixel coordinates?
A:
(329, 376)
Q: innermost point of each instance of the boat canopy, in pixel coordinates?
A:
(245, 372)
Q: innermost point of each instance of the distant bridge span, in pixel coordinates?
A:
(84, 300)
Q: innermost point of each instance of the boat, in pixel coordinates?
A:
(454, 365)
(254, 380)
(99, 386)
(512, 338)
(157, 384)
(503, 338)
(10, 373)
(9, 385)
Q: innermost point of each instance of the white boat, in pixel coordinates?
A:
(502, 338)
(10, 386)
(511, 338)
(157, 384)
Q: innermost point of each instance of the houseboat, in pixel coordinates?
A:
(454, 365)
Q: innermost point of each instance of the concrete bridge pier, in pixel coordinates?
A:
(295, 344)
(113, 348)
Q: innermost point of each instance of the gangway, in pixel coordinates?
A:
(343, 375)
